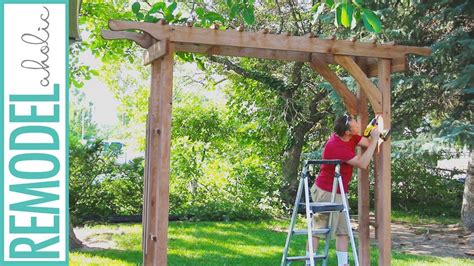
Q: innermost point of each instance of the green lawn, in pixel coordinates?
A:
(224, 243)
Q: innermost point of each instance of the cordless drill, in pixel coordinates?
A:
(384, 134)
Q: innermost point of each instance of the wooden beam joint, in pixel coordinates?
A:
(156, 51)
(372, 92)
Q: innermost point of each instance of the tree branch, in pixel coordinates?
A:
(282, 21)
(296, 75)
(264, 78)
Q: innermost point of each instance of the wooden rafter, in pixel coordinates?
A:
(341, 89)
(372, 92)
(232, 38)
(143, 39)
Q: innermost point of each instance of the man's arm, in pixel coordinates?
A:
(363, 160)
(364, 142)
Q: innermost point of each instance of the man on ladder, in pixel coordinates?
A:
(340, 146)
(329, 211)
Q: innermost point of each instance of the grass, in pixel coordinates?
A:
(403, 217)
(224, 243)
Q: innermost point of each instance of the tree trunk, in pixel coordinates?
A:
(74, 242)
(290, 165)
(467, 211)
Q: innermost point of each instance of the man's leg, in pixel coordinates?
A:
(315, 244)
(342, 242)
(315, 248)
(341, 250)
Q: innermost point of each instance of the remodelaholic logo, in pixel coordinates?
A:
(34, 142)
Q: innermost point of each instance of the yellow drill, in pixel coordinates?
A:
(373, 125)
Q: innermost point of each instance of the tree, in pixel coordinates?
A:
(302, 106)
(289, 98)
(442, 83)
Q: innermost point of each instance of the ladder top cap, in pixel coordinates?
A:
(323, 162)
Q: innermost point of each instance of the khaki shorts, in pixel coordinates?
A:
(320, 220)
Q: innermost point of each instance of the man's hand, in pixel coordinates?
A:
(374, 134)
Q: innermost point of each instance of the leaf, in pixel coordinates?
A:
(213, 16)
(168, 15)
(229, 3)
(371, 21)
(200, 12)
(77, 84)
(247, 14)
(358, 2)
(234, 11)
(136, 7)
(346, 14)
(152, 19)
(337, 18)
(94, 72)
(156, 7)
(330, 3)
(140, 16)
(200, 65)
(172, 7)
(355, 19)
(315, 7)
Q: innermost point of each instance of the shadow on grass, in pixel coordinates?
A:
(126, 256)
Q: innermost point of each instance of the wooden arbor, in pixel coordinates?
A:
(361, 60)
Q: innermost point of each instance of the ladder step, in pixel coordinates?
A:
(320, 257)
(314, 231)
(325, 207)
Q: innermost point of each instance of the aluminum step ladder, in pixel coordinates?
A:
(318, 207)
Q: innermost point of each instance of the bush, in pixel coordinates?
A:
(88, 165)
(418, 186)
(99, 187)
(220, 188)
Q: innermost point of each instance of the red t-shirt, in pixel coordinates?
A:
(337, 149)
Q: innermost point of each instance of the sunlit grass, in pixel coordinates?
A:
(223, 243)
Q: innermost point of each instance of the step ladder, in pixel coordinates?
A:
(318, 207)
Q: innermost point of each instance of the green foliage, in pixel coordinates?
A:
(214, 176)
(418, 185)
(348, 14)
(88, 165)
(126, 187)
(156, 12)
(440, 83)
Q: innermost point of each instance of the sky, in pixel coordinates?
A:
(104, 111)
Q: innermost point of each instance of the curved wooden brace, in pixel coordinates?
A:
(341, 89)
(372, 92)
(143, 39)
